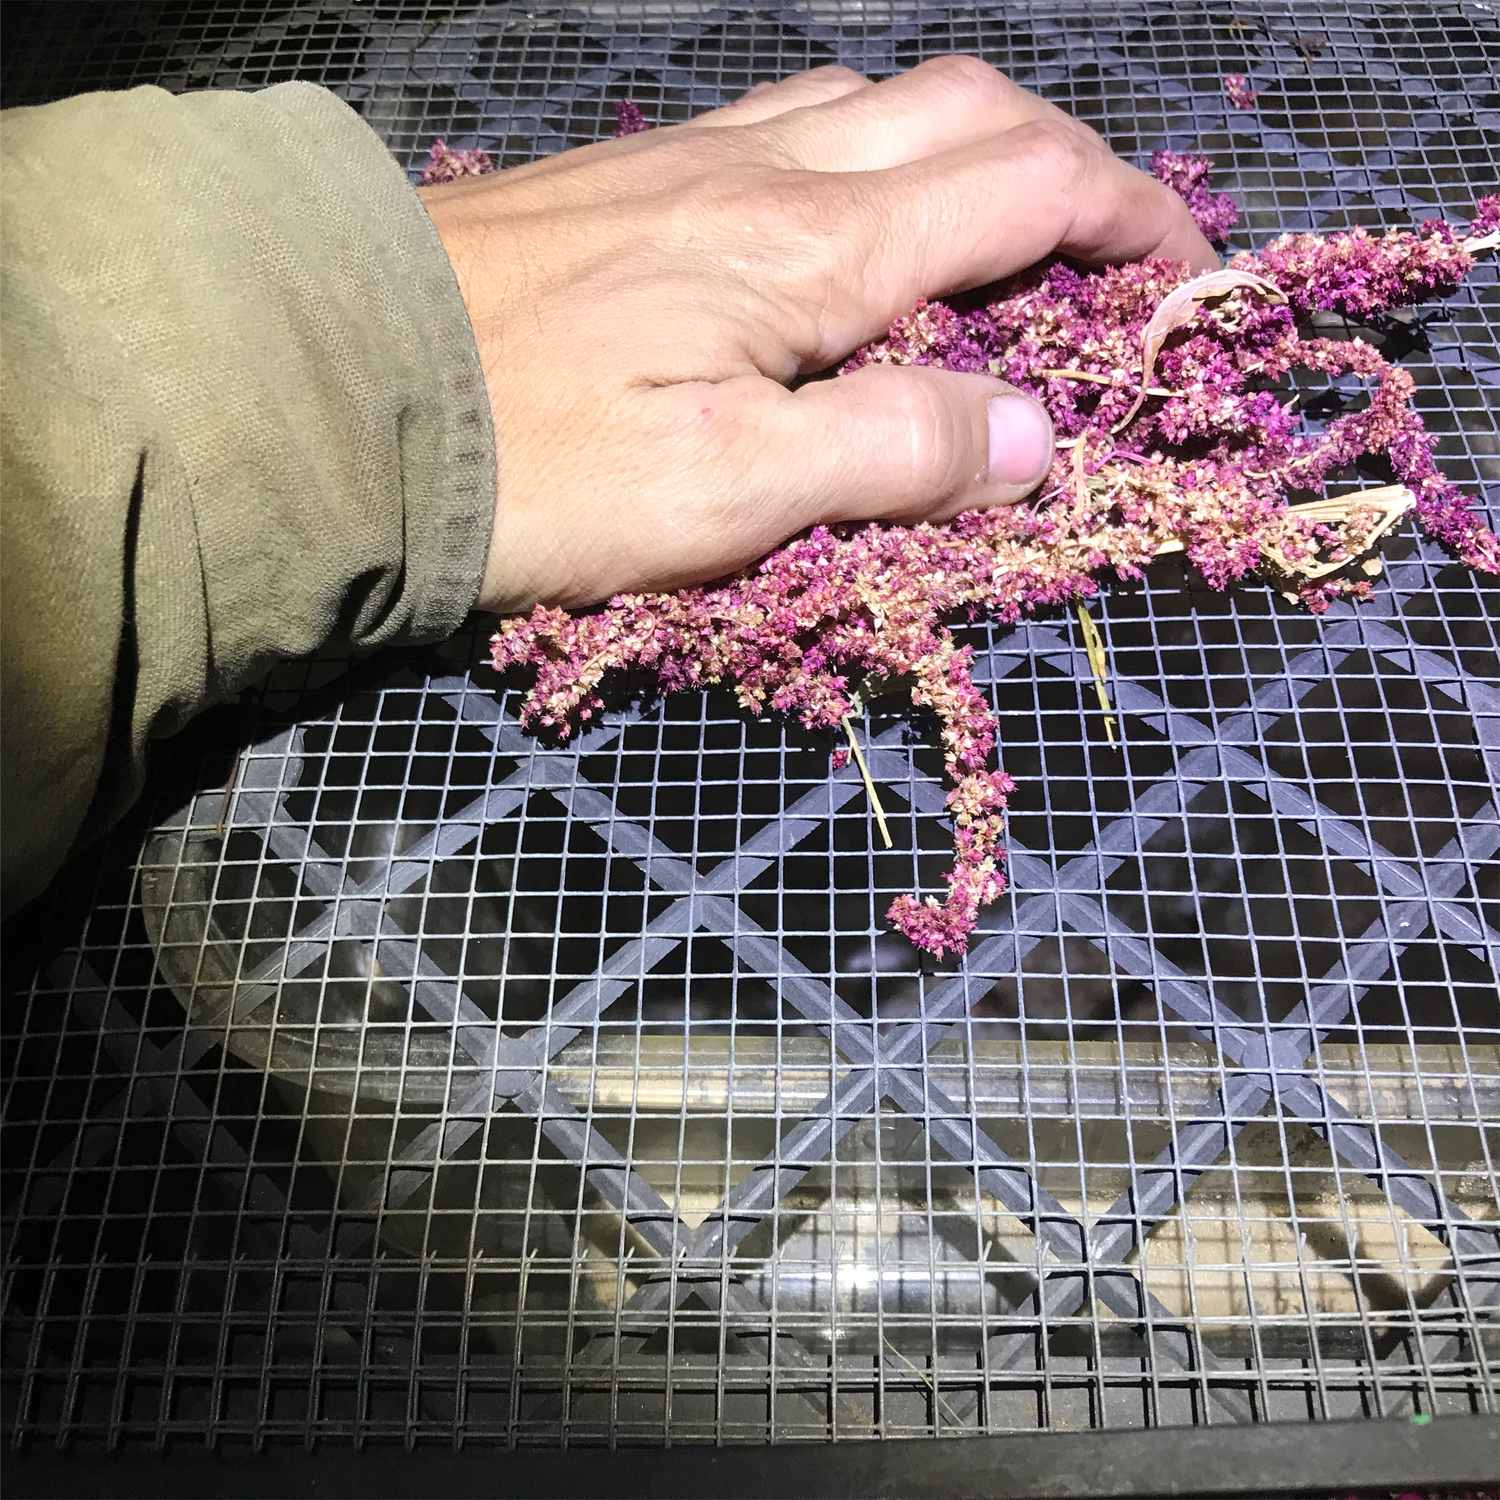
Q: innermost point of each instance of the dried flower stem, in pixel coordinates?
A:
(1099, 662)
(1093, 379)
(1390, 502)
(954, 1420)
(870, 792)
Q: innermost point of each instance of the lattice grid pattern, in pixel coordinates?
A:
(564, 1095)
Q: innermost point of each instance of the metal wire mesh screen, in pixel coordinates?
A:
(409, 1079)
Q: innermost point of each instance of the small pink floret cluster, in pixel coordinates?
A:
(1238, 91)
(446, 165)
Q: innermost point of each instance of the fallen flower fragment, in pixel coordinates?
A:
(628, 118)
(447, 165)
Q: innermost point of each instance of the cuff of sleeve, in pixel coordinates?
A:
(448, 441)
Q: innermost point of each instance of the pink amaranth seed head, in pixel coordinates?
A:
(1214, 213)
(1207, 464)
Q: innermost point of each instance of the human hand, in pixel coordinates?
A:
(642, 306)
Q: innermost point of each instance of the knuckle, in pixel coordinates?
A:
(1062, 152)
(935, 450)
(1177, 214)
(732, 185)
(697, 153)
(971, 78)
(1088, 135)
(837, 76)
(797, 229)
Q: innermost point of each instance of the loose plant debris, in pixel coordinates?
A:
(1238, 91)
(1310, 46)
(1093, 645)
(628, 118)
(870, 789)
(1173, 437)
(447, 165)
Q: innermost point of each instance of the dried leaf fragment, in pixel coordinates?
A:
(1093, 644)
(1392, 501)
(1181, 306)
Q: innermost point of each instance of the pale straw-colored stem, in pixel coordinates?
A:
(870, 792)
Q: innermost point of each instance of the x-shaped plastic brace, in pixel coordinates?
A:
(818, 1004)
(511, 1069)
(514, 1062)
(631, 53)
(353, 911)
(1354, 1140)
(1293, 1040)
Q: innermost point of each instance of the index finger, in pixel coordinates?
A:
(942, 103)
(982, 212)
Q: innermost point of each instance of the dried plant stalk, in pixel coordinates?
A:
(870, 791)
(1093, 644)
(1391, 501)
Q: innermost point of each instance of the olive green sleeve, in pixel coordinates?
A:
(242, 419)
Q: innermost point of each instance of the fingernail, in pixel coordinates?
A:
(1020, 440)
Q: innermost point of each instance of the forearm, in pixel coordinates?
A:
(243, 420)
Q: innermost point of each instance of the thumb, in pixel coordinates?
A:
(911, 443)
